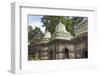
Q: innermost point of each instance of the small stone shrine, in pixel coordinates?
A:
(62, 45)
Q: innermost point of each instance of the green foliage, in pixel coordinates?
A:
(50, 22)
(34, 35)
(32, 57)
(30, 33)
(72, 22)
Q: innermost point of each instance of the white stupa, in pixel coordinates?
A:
(46, 37)
(61, 32)
(61, 28)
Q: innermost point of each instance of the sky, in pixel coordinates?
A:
(36, 21)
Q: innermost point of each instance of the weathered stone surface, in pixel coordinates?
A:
(61, 32)
(72, 55)
(61, 45)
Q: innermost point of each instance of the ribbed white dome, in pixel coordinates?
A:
(47, 34)
(61, 32)
(61, 28)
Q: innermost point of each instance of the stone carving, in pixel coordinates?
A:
(62, 45)
(61, 32)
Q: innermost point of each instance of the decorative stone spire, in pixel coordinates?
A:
(61, 28)
(46, 37)
(47, 34)
(61, 32)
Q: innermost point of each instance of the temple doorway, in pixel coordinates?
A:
(66, 53)
(85, 54)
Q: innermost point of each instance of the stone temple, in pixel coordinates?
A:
(61, 44)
